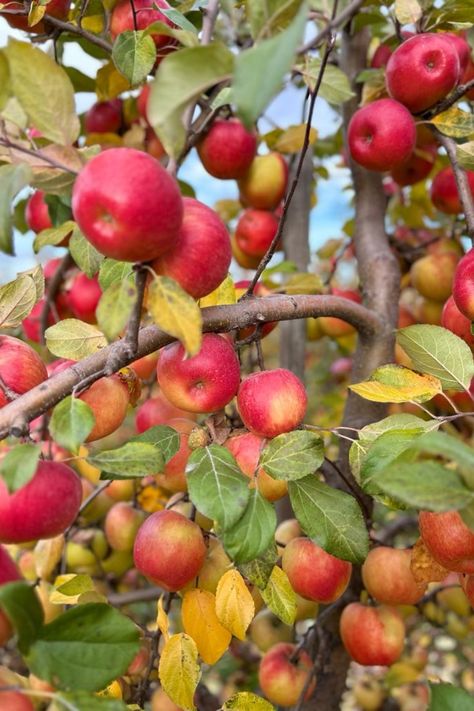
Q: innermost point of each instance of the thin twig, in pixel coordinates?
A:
(334, 24)
(133, 596)
(446, 103)
(51, 292)
(134, 15)
(37, 154)
(154, 653)
(356, 492)
(462, 182)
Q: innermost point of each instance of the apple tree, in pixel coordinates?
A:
(236, 468)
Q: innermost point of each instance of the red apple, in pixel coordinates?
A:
(259, 291)
(282, 678)
(449, 540)
(200, 259)
(104, 117)
(313, 573)
(455, 321)
(43, 508)
(55, 8)
(153, 145)
(264, 185)
(228, 149)
(14, 700)
(108, 399)
(255, 231)
(142, 101)
(121, 525)
(246, 449)
(157, 411)
(173, 476)
(463, 285)
(21, 368)
(83, 297)
(146, 366)
(388, 578)
(381, 56)
(31, 324)
(207, 382)
(372, 635)
(462, 48)
(272, 402)
(127, 205)
(381, 135)
(444, 191)
(467, 584)
(37, 212)
(146, 13)
(467, 77)
(432, 63)
(169, 549)
(242, 259)
(432, 275)
(417, 167)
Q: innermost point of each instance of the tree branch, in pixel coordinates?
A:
(446, 103)
(15, 416)
(462, 182)
(53, 288)
(338, 21)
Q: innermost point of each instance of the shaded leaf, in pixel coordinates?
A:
(253, 532)
(134, 55)
(258, 571)
(87, 258)
(72, 420)
(19, 465)
(53, 235)
(133, 459)
(111, 271)
(13, 178)
(21, 605)
(446, 697)
(115, 307)
(408, 12)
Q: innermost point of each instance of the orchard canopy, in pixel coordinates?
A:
(236, 369)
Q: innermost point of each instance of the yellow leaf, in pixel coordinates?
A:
(394, 383)
(74, 339)
(235, 607)
(47, 554)
(246, 701)
(200, 621)
(94, 24)
(36, 13)
(110, 83)
(179, 670)
(454, 122)
(303, 283)
(227, 209)
(280, 597)
(69, 588)
(162, 620)
(224, 294)
(176, 312)
(291, 140)
(408, 12)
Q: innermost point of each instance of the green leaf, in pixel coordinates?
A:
(389, 447)
(293, 455)
(79, 80)
(253, 532)
(165, 438)
(259, 71)
(437, 351)
(13, 178)
(452, 448)
(111, 271)
(280, 597)
(82, 701)
(72, 420)
(134, 55)
(85, 649)
(19, 465)
(181, 78)
(23, 608)
(4, 80)
(87, 258)
(334, 87)
(332, 518)
(216, 485)
(177, 18)
(258, 571)
(465, 155)
(44, 91)
(17, 298)
(446, 697)
(53, 235)
(115, 306)
(133, 459)
(74, 339)
(454, 122)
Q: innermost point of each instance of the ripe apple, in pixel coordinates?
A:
(104, 117)
(264, 185)
(145, 367)
(169, 549)
(37, 212)
(432, 275)
(463, 285)
(381, 56)
(283, 679)
(456, 322)
(200, 258)
(228, 149)
(121, 525)
(142, 101)
(467, 76)
(246, 449)
(313, 573)
(266, 630)
(467, 583)
(417, 167)
(388, 578)
(444, 191)
(242, 259)
(448, 539)
(173, 476)
(462, 48)
(259, 291)
(285, 532)
(108, 399)
(21, 368)
(44, 507)
(431, 61)
(207, 382)
(272, 402)
(153, 145)
(336, 327)
(13, 700)
(157, 411)
(146, 13)
(255, 231)
(372, 635)
(217, 563)
(8, 574)
(120, 489)
(55, 8)
(127, 205)
(83, 297)
(381, 135)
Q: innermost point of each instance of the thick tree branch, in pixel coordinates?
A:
(15, 416)
(462, 182)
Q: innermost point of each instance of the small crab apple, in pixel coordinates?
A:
(246, 448)
(448, 539)
(463, 285)
(21, 368)
(264, 185)
(372, 635)
(255, 231)
(173, 476)
(313, 573)
(121, 525)
(381, 135)
(228, 149)
(431, 61)
(432, 275)
(388, 578)
(104, 117)
(169, 549)
(108, 399)
(283, 674)
(417, 167)
(42, 508)
(200, 259)
(456, 322)
(207, 382)
(83, 297)
(157, 411)
(143, 14)
(272, 402)
(37, 212)
(127, 205)
(444, 191)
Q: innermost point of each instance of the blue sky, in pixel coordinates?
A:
(327, 217)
